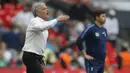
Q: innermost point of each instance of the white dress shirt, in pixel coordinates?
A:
(37, 34)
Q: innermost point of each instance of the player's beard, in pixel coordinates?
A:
(102, 21)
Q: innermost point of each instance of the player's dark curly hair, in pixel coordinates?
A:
(98, 12)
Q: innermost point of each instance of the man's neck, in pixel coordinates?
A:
(43, 18)
(98, 24)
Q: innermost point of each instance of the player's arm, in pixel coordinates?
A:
(83, 37)
(81, 40)
(41, 26)
(88, 57)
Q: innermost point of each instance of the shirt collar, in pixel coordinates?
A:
(39, 18)
(98, 26)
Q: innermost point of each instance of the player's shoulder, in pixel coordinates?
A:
(33, 19)
(32, 22)
(104, 28)
(91, 27)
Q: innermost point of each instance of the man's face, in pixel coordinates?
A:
(43, 11)
(102, 18)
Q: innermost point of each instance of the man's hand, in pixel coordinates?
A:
(87, 57)
(43, 62)
(63, 18)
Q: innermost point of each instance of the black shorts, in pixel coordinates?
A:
(32, 62)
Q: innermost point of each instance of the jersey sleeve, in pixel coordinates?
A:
(83, 37)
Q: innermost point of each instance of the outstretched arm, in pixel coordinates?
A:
(37, 25)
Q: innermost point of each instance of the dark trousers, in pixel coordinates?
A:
(32, 62)
(94, 66)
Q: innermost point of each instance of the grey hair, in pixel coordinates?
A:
(35, 7)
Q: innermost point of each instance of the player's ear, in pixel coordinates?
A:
(37, 13)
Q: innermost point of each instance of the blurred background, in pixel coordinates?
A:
(62, 54)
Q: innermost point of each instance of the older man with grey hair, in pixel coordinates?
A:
(36, 37)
